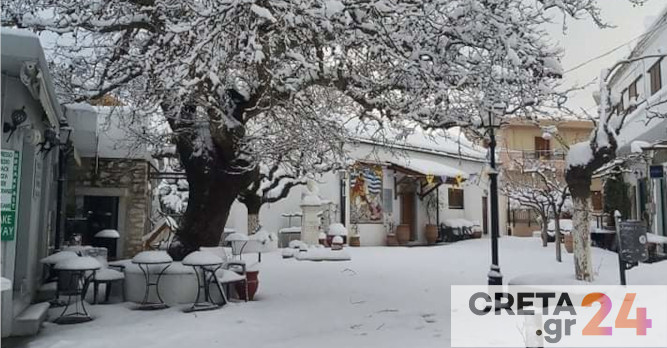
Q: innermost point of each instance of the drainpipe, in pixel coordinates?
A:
(64, 151)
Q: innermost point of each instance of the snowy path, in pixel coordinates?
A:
(384, 297)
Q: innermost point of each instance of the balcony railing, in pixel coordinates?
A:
(546, 155)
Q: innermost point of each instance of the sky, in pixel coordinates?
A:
(583, 40)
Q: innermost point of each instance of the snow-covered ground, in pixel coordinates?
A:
(384, 297)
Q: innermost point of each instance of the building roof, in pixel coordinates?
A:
(18, 47)
(450, 143)
(658, 25)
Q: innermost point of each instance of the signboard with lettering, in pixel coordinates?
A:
(632, 241)
(10, 177)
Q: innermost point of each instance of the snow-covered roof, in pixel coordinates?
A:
(451, 142)
(428, 167)
(19, 47)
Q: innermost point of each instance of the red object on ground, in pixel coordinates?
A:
(253, 284)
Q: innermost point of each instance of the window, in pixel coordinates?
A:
(633, 93)
(632, 89)
(656, 77)
(542, 148)
(455, 198)
(597, 200)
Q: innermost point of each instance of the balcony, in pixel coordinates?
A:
(543, 155)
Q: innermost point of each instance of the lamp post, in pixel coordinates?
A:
(64, 149)
(495, 277)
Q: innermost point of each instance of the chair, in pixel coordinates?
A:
(107, 276)
(231, 271)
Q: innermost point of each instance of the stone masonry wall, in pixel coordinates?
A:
(128, 174)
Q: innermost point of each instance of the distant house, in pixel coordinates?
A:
(110, 187)
(640, 91)
(389, 181)
(522, 144)
(33, 130)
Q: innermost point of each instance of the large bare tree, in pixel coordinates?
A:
(217, 70)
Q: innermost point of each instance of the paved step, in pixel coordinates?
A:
(30, 320)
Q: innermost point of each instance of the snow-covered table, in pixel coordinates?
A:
(74, 276)
(144, 260)
(207, 264)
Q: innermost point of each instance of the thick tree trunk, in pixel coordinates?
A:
(545, 231)
(210, 199)
(216, 174)
(581, 194)
(253, 203)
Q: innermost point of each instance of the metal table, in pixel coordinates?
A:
(144, 266)
(205, 273)
(74, 282)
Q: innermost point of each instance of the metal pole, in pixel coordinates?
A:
(495, 277)
(621, 263)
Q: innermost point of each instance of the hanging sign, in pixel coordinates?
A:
(9, 188)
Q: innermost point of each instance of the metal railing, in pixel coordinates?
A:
(547, 155)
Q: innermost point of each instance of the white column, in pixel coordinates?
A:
(310, 223)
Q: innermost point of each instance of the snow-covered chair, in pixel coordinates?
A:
(232, 271)
(107, 276)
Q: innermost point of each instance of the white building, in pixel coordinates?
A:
(32, 121)
(641, 86)
(401, 174)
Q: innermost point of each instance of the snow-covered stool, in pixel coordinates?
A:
(144, 260)
(74, 276)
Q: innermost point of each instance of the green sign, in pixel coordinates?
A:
(9, 192)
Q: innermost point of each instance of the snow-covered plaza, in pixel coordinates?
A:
(389, 297)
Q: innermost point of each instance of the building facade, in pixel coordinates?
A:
(638, 88)
(109, 188)
(32, 135)
(524, 145)
(391, 182)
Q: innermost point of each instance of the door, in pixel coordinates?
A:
(101, 213)
(408, 213)
(485, 215)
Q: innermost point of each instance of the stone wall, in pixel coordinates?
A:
(124, 178)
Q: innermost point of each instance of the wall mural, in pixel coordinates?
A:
(366, 194)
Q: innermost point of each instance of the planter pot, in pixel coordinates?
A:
(568, 242)
(253, 285)
(355, 241)
(392, 240)
(403, 234)
(431, 234)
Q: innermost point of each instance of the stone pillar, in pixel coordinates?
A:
(310, 222)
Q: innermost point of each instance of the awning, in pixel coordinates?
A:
(424, 167)
(430, 174)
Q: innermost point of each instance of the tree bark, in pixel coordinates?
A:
(254, 203)
(545, 233)
(216, 175)
(581, 195)
(558, 237)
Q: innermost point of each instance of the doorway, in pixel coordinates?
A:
(101, 213)
(408, 213)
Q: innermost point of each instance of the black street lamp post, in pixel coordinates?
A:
(495, 277)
